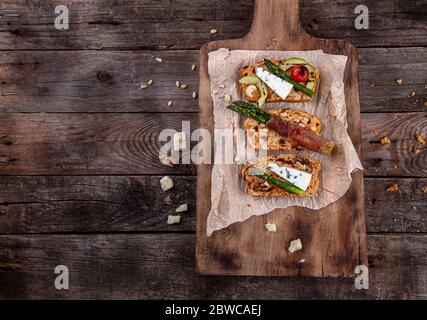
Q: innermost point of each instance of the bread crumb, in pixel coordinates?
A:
(193, 67)
(159, 60)
(213, 31)
(143, 86)
(222, 86)
(271, 227)
(301, 261)
(424, 189)
(413, 93)
(385, 140)
(169, 161)
(183, 86)
(194, 95)
(174, 219)
(177, 83)
(295, 245)
(182, 208)
(398, 81)
(393, 188)
(227, 98)
(420, 139)
(166, 183)
(150, 82)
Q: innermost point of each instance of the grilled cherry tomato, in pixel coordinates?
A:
(299, 73)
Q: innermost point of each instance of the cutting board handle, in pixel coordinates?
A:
(282, 20)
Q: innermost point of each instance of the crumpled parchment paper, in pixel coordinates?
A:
(229, 201)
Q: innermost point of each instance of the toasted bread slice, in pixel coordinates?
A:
(274, 140)
(294, 95)
(259, 187)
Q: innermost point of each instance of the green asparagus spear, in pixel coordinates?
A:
(276, 70)
(280, 183)
(249, 110)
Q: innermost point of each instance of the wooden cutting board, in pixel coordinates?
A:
(333, 238)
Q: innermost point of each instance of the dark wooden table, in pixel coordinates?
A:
(79, 168)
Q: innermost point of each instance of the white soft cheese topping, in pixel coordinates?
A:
(281, 87)
(299, 179)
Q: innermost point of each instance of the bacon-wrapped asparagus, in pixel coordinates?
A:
(295, 135)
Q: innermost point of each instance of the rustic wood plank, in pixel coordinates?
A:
(128, 143)
(378, 72)
(399, 158)
(54, 204)
(110, 81)
(87, 143)
(185, 24)
(162, 266)
(93, 204)
(88, 81)
(401, 211)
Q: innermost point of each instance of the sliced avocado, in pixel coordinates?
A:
(289, 63)
(248, 80)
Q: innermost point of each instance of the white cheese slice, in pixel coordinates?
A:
(279, 86)
(299, 179)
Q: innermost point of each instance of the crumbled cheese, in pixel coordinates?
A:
(159, 59)
(143, 86)
(222, 86)
(183, 86)
(214, 91)
(150, 82)
(193, 67)
(169, 103)
(166, 183)
(177, 83)
(174, 219)
(182, 208)
(301, 261)
(295, 246)
(227, 98)
(271, 227)
(179, 141)
(213, 31)
(399, 81)
(194, 95)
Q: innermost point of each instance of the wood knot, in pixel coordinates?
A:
(104, 76)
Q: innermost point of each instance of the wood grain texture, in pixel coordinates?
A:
(161, 266)
(334, 237)
(54, 204)
(110, 81)
(94, 204)
(399, 158)
(184, 24)
(87, 143)
(127, 143)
